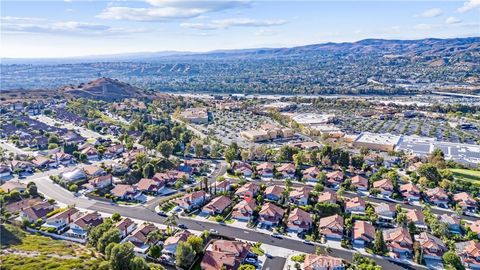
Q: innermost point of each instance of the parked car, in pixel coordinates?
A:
(251, 261)
(277, 235)
(162, 213)
(182, 226)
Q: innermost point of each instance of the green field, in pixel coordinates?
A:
(23, 250)
(467, 175)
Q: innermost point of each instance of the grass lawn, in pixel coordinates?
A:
(467, 175)
(257, 250)
(30, 251)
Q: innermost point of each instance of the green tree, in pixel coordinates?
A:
(430, 172)
(73, 188)
(155, 251)
(121, 255)
(116, 217)
(450, 258)
(196, 242)
(379, 246)
(138, 263)
(110, 236)
(230, 155)
(165, 148)
(148, 170)
(185, 255)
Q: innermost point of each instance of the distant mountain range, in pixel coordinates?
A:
(367, 66)
(433, 47)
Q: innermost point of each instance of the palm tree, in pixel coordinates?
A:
(171, 220)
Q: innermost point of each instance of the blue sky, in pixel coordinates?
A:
(79, 27)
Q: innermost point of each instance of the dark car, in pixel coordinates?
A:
(182, 226)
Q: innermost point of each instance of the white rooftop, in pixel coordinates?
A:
(384, 138)
(312, 118)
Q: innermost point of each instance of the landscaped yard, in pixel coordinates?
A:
(22, 250)
(467, 175)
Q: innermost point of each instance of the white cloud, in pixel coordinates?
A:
(41, 25)
(430, 13)
(234, 22)
(469, 5)
(452, 20)
(165, 10)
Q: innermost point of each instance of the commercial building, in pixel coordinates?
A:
(379, 142)
(195, 115)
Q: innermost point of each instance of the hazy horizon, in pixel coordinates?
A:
(66, 29)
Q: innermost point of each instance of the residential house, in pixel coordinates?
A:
(360, 183)
(42, 162)
(216, 205)
(61, 220)
(13, 185)
(171, 243)
(139, 237)
(21, 166)
(465, 201)
(385, 186)
(99, 182)
(79, 227)
(270, 214)
(322, 262)
(220, 187)
(432, 247)
(475, 227)
(274, 193)
(36, 211)
(225, 254)
(93, 171)
(452, 221)
(147, 185)
(91, 152)
(327, 196)
(437, 196)
(410, 192)
(248, 188)
(5, 171)
(311, 174)
(125, 192)
(355, 205)
(416, 216)
(125, 227)
(16, 207)
(63, 158)
(334, 179)
(265, 169)
(469, 253)
(331, 227)
(299, 221)
(73, 176)
(363, 232)
(385, 212)
(192, 200)
(243, 168)
(243, 211)
(399, 242)
(287, 170)
(300, 195)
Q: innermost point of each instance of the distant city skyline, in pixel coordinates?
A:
(47, 29)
